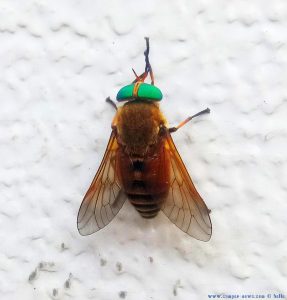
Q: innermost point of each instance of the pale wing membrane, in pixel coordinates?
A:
(183, 205)
(105, 197)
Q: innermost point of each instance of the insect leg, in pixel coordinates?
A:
(173, 129)
(141, 78)
(109, 100)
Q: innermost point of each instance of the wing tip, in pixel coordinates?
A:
(84, 232)
(205, 240)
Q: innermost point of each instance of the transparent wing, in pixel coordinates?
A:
(183, 204)
(104, 197)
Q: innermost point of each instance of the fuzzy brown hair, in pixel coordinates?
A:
(138, 124)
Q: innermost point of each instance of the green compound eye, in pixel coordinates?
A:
(139, 90)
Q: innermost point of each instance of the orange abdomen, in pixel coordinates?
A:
(145, 179)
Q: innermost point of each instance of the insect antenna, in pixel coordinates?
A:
(148, 68)
(136, 75)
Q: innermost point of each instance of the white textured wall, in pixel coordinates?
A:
(59, 61)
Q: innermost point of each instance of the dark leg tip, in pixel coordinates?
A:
(109, 100)
(172, 129)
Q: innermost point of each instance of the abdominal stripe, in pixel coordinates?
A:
(143, 201)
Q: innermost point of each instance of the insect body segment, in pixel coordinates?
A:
(142, 164)
(138, 180)
(139, 90)
(142, 169)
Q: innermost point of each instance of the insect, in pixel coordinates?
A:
(141, 163)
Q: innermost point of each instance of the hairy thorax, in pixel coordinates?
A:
(138, 126)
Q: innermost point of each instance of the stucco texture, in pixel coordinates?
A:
(59, 62)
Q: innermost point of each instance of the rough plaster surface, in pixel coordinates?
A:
(59, 61)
